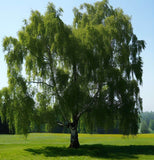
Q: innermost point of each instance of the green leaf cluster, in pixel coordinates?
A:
(16, 106)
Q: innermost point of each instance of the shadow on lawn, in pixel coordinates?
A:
(97, 151)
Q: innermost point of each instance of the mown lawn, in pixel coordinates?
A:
(46, 146)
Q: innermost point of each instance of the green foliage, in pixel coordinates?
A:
(151, 125)
(16, 106)
(144, 127)
(147, 116)
(92, 69)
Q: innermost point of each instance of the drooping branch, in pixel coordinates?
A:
(63, 125)
(43, 58)
(89, 105)
(37, 82)
(74, 72)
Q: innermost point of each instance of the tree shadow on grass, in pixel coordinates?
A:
(96, 151)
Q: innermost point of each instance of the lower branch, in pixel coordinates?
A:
(63, 125)
(91, 104)
(37, 82)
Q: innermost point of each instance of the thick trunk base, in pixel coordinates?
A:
(74, 144)
(74, 139)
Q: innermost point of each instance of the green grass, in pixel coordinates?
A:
(55, 146)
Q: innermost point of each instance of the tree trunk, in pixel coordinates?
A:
(74, 138)
(74, 133)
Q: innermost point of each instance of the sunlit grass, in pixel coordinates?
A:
(42, 146)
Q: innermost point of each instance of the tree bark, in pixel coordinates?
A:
(74, 139)
(74, 135)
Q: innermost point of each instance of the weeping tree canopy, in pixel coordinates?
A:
(89, 71)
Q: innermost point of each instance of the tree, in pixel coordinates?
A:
(90, 71)
(144, 127)
(151, 124)
(147, 116)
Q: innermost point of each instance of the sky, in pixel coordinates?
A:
(13, 12)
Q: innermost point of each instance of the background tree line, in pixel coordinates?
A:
(147, 122)
(146, 126)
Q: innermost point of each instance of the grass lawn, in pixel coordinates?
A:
(45, 146)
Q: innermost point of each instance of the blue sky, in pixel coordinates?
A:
(12, 14)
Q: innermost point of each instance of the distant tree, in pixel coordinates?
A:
(90, 71)
(147, 116)
(144, 127)
(151, 125)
